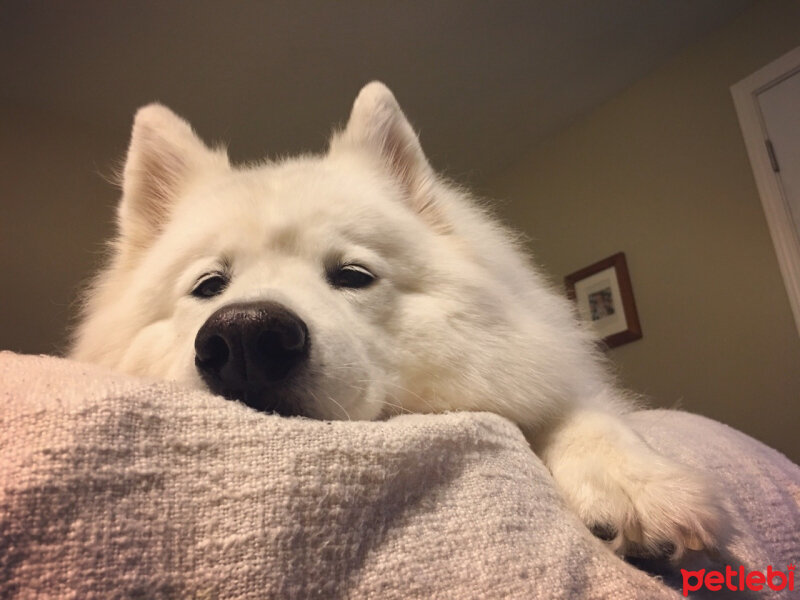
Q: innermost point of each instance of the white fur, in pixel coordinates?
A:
(458, 319)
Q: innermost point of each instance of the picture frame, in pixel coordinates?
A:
(604, 297)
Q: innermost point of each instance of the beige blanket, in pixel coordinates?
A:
(116, 487)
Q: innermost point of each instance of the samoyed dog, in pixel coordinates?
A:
(358, 285)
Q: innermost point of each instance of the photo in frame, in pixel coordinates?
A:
(604, 297)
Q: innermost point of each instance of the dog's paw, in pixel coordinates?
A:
(652, 507)
(638, 501)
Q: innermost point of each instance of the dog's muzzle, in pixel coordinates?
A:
(251, 351)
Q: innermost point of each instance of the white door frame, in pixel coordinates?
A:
(776, 209)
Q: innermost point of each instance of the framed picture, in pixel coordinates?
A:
(604, 297)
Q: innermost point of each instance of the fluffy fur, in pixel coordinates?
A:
(457, 318)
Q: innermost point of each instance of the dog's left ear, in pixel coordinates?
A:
(378, 125)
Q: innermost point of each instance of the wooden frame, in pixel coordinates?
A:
(784, 237)
(604, 296)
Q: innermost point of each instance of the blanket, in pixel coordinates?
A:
(118, 487)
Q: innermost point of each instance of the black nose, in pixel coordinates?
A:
(247, 350)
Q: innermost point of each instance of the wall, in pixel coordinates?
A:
(54, 207)
(661, 173)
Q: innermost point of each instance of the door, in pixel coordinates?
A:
(780, 109)
(768, 105)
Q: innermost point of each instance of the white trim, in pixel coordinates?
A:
(776, 209)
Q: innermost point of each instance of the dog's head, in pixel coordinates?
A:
(347, 285)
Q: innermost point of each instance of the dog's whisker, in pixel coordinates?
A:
(344, 410)
(344, 367)
(426, 402)
(401, 409)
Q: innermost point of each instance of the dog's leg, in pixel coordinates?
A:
(640, 502)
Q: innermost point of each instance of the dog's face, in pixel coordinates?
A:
(287, 287)
(302, 287)
(274, 285)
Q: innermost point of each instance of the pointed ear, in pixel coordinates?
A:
(164, 157)
(377, 125)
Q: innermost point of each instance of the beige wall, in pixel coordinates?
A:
(55, 207)
(661, 173)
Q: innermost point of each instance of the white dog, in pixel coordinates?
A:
(357, 285)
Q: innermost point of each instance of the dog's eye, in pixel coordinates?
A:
(211, 286)
(351, 276)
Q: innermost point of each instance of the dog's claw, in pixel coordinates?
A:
(604, 531)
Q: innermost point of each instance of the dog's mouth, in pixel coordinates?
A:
(272, 399)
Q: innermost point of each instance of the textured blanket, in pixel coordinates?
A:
(116, 487)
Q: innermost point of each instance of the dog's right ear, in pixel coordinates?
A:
(164, 157)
